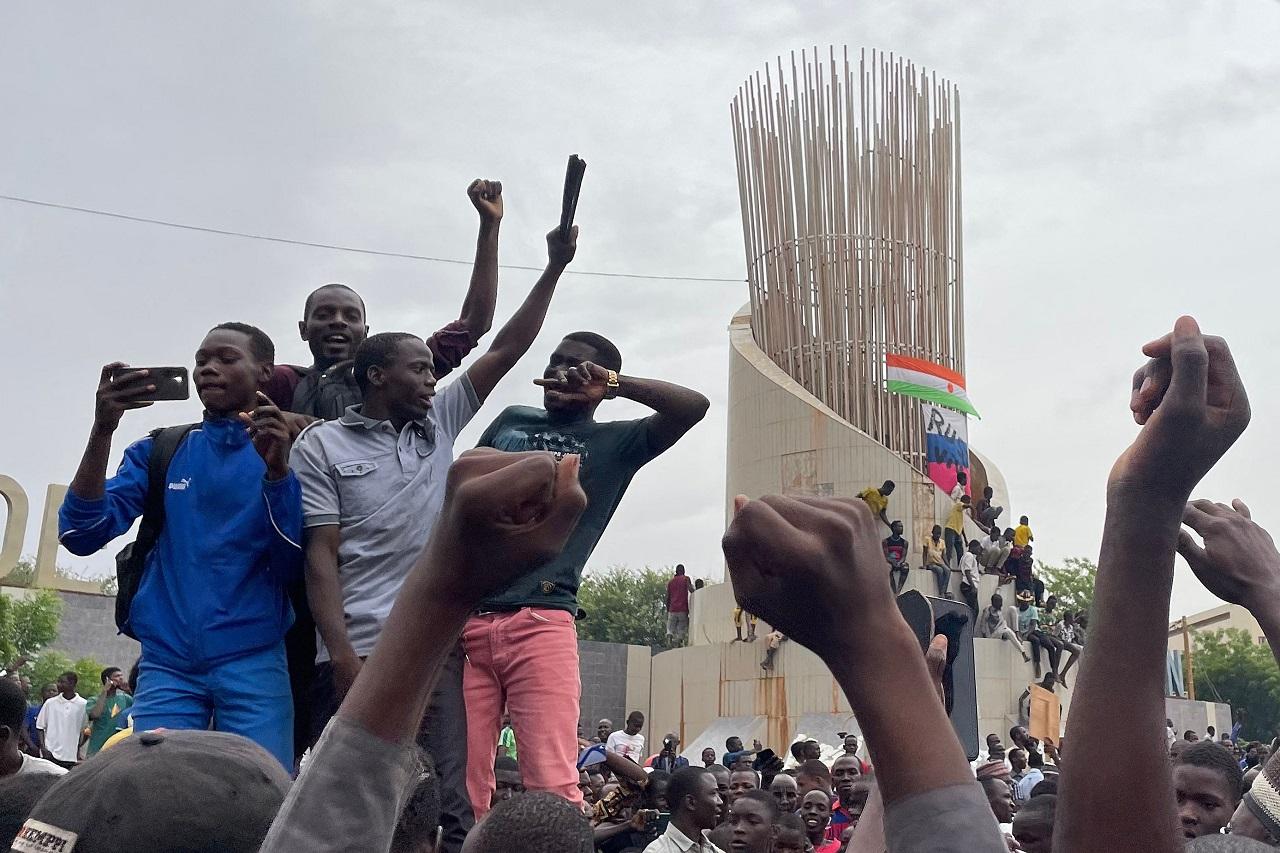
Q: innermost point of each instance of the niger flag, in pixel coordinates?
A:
(916, 377)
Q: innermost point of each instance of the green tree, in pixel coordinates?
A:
(1230, 667)
(24, 574)
(46, 668)
(27, 624)
(625, 606)
(1072, 582)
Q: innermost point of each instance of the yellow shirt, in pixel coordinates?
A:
(878, 502)
(955, 521)
(1022, 535)
(935, 552)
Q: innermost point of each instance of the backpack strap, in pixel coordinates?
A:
(164, 445)
(131, 562)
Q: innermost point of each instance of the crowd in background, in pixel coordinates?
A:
(354, 639)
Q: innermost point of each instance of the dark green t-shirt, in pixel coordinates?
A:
(611, 453)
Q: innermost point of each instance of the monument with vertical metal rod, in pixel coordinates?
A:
(849, 174)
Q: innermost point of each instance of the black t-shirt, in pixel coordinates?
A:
(610, 454)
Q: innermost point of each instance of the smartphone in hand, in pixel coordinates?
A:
(172, 383)
(928, 616)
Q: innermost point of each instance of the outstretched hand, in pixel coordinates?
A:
(504, 514)
(828, 547)
(1192, 407)
(271, 436)
(1238, 562)
(487, 198)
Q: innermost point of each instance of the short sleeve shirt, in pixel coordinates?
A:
(678, 589)
(610, 453)
(62, 720)
(878, 502)
(628, 746)
(507, 738)
(955, 521)
(114, 717)
(1026, 618)
(934, 552)
(1022, 535)
(385, 491)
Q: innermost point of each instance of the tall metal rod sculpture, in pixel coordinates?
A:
(849, 176)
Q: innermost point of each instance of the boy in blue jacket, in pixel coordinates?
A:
(211, 610)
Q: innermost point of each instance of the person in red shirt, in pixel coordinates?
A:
(679, 588)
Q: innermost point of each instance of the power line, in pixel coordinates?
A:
(339, 248)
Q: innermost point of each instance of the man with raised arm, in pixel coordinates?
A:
(334, 324)
(373, 482)
(1191, 407)
(521, 645)
(211, 610)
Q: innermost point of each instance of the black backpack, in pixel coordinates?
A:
(131, 562)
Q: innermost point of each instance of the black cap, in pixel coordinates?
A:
(161, 792)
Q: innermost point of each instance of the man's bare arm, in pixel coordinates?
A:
(519, 333)
(112, 400)
(676, 409)
(482, 295)
(503, 513)
(831, 546)
(324, 595)
(1192, 407)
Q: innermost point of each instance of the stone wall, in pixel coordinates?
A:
(615, 682)
(88, 630)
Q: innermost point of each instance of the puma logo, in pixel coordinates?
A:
(181, 485)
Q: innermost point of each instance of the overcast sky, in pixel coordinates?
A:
(1119, 169)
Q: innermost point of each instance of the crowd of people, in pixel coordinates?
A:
(1033, 618)
(355, 640)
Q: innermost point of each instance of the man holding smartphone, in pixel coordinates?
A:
(211, 610)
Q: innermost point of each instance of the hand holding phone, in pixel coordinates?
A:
(929, 617)
(119, 390)
(165, 383)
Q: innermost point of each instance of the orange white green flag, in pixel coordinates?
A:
(916, 377)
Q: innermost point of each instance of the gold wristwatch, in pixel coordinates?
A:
(611, 385)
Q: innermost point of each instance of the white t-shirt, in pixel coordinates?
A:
(630, 746)
(31, 764)
(62, 720)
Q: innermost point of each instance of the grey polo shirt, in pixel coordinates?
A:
(384, 490)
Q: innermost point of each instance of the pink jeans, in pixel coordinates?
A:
(527, 662)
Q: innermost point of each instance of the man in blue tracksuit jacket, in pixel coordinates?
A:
(211, 611)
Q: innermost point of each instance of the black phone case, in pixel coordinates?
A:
(172, 383)
(928, 616)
